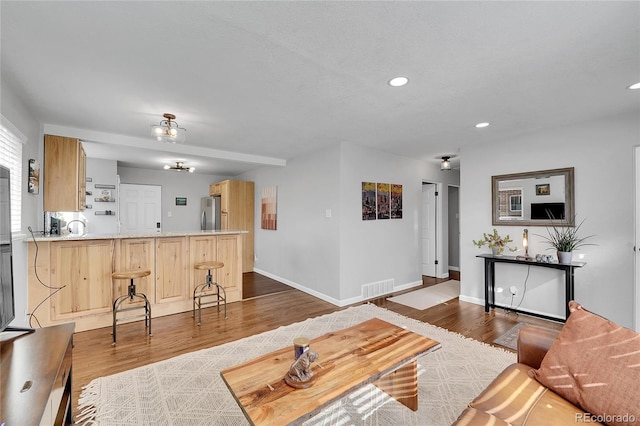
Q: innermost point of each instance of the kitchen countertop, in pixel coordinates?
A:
(89, 236)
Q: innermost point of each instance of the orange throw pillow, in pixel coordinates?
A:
(595, 364)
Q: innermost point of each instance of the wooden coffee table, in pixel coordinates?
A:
(371, 352)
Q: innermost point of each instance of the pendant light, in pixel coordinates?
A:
(168, 130)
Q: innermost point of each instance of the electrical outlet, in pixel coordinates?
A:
(514, 290)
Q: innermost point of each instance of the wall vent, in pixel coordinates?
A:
(376, 289)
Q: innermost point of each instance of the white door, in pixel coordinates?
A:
(429, 252)
(140, 208)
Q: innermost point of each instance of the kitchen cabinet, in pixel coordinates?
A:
(202, 249)
(65, 173)
(229, 250)
(237, 213)
(133, 254)
(171, 272)
(84, 269)
(84, 265)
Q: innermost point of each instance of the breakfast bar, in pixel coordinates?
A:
(69, 276)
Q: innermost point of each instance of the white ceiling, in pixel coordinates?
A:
(273, 80)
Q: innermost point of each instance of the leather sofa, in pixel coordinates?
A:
(514, 398)
(588, 372)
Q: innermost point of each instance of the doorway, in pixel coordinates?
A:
(429, 229)
(440, 232)
(140, 208)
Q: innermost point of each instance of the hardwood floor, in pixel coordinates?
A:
(268, 305)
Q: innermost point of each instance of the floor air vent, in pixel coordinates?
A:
(376, 289)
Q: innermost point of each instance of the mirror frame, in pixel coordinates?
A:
(569, 215)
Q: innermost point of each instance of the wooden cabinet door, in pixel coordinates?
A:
(64, 168)
(214, 189)
(133, 254)
(201, 249)
(171, 269)
(84, 269)
(230, 276)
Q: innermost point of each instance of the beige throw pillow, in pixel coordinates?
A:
(595, 364)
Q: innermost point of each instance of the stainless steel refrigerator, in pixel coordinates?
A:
(210, 213)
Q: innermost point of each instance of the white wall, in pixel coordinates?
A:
(104, 172)
(333, 257)
(174, 184)
(13, 109)
(602, 154)
(304, 251)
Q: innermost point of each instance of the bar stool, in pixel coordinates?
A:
(200, 292)
(131, 275)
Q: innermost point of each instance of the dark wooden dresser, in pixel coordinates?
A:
(36, 377)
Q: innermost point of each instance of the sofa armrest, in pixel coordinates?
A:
(533, 344)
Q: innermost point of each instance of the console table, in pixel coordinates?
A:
(36, 377)
(490, 272)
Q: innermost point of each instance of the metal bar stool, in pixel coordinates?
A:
(201, 290)
(131, 275)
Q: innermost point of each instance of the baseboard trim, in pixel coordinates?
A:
(336, 302)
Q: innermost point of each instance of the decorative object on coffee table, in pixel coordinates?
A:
(300, 374)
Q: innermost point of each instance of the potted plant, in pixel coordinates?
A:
(496, 243)
(565, 240)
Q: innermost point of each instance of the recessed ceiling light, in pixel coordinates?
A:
(481, 125)
(634, 86)
(398, 81)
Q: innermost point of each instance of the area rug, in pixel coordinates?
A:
(427, 297)
(188, 389)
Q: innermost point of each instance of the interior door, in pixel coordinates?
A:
(140, 208)
(429, 243)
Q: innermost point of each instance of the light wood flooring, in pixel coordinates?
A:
(268, 304)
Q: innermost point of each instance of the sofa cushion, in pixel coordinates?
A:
(595, 364)
(517, 399)
(473, 417)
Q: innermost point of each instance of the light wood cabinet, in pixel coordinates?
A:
(132, 254)
(171, 271)
(229, 249)
(64, 174)
(237, 213)
(84, 269)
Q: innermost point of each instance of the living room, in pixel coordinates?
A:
(332, 258)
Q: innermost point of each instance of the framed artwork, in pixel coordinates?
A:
(34, 177)
(368, 201)
(396, 201)
(383, 200)
(269, 208)
(543, 189)
(181, 201)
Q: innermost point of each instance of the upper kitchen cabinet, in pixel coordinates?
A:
(236, 213)
(64, 174)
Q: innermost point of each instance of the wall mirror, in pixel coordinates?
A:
(538, 198)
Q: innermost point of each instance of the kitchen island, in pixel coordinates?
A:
(71, 279)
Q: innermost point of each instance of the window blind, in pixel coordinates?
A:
(11, 157)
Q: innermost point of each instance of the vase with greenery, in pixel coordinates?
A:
(565, 239)
(495, 242)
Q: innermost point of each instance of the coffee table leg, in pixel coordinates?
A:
(402, 385)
